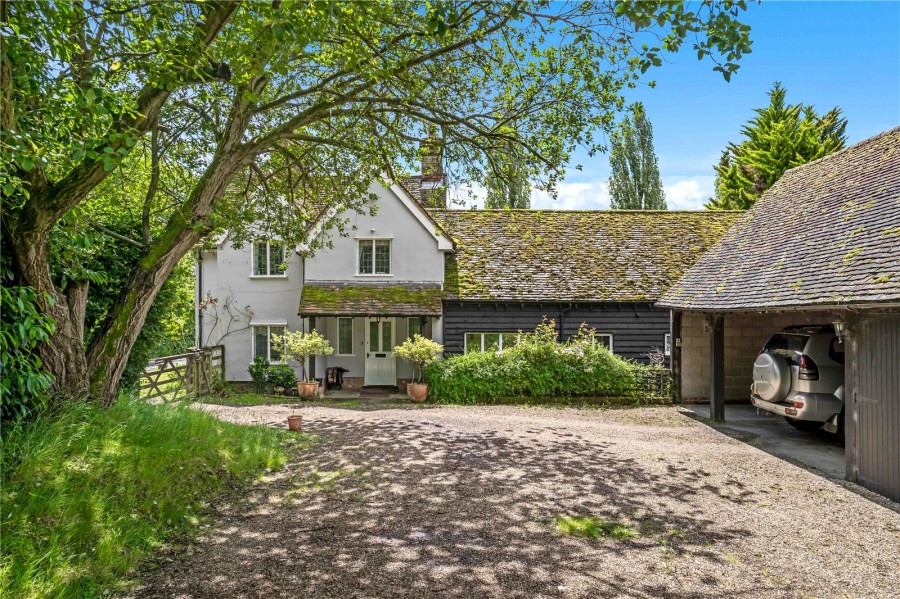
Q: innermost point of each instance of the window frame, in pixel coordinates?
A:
(337, 336)
(373, 242)
(409, 331)
(611, 339)
(483, 333)
(254, 250)
(268, 327)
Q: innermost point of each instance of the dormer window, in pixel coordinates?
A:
(268, 259)
(374, 257)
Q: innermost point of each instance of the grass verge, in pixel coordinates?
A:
(87, 493)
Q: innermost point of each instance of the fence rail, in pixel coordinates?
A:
(656, 383)
(183, 376)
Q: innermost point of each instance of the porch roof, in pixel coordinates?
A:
(341, 298)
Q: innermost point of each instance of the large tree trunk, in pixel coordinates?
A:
(109, 351)
(108, 355)
(65, 357)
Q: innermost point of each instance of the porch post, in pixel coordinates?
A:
(675, 357)
(717, 367)
(312, 359)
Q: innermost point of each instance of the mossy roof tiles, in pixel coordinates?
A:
(592, 256)
(826, 234)
(338, 298)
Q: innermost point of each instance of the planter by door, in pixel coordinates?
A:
(417, 392)
(308, 390)
(381, 365)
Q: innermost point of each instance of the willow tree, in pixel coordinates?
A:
(233, 115)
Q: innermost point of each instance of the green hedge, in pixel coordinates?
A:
(88, 492)
(541, 367)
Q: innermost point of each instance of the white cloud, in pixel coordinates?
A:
(587, 195)
(689, 194)
(681, 194)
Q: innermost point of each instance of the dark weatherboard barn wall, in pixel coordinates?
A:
(636, 327)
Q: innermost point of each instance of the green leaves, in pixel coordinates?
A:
(23, 381)
(780, 137)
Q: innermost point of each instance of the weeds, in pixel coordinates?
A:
(592, 528)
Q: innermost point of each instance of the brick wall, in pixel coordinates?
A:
(745, 335)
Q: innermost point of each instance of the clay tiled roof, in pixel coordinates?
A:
(597, 256)
(338, 298)
(826, 234)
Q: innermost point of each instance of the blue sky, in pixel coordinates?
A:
(827, 54)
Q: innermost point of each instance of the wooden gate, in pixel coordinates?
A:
(183, 376)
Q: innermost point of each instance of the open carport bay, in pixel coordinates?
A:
(818, 450)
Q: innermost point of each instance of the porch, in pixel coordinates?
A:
(363, 323)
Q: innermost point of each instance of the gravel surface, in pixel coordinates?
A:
(461, 501)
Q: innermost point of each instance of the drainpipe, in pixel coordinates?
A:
(562, 311)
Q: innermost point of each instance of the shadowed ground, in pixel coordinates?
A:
(460, 502)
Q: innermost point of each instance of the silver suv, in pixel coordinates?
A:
(799, 374)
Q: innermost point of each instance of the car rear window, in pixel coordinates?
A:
(787, 344)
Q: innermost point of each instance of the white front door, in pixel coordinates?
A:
(381, 366)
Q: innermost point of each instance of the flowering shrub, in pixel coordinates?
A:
(539, 366)
(300, 346)
(420, 352)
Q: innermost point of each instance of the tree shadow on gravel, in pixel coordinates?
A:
(416, 509)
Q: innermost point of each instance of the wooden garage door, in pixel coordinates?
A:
(876, 436)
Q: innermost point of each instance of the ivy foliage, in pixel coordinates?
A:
(780, 137)
(23, 381)
(539, 366)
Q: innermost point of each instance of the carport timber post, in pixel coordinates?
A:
(715, 324)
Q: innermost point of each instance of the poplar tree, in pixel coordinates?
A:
(635, 183)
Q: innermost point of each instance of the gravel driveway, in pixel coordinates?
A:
(461, 501)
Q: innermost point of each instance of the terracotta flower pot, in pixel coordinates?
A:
(295, 422)
(308, 390)
(417, 392)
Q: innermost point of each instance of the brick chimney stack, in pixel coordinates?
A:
(433, 186)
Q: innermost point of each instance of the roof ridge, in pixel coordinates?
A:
(858, 144)
(574, 210)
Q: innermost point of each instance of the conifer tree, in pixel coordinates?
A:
(635, 183)
(780, 137)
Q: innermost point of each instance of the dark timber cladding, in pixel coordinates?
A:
(873, 439)
(636, 327)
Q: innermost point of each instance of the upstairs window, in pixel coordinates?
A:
(374, 256)
(268, 259)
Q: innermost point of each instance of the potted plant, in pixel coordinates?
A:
(259, 371)
(282, 377)
(420, 352)
(300, 346)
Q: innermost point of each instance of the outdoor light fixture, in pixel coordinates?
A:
(840, 329)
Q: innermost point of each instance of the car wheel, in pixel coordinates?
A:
(804, 425)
